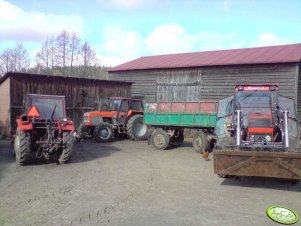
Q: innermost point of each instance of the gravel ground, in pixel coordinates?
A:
(130, 183)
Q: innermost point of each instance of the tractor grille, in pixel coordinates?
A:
(96, 120)
(260, 137)
(260, 123)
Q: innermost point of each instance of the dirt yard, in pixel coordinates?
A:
(130, 183)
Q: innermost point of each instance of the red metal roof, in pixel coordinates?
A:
(258, 55)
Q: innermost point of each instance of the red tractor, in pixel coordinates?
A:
(257, 134)
(123, 116)
(257, 117)
(43, 129)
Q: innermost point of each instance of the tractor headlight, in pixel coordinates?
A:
(86, 120)
(268, 138)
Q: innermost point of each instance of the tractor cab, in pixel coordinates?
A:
(117, 111)
(42, 106)
(257, 105)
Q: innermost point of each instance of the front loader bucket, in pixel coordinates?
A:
(258, 163)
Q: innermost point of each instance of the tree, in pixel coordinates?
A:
(88, 56)
(15, 59)
(62, 44)
(6, 61)
(45, 58)
(21, 59)
(74, 47)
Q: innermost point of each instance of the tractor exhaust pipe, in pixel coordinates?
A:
(238, 129)
(286, 141)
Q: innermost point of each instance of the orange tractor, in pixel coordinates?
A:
(123, 117)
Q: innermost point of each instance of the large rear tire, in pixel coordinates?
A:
(199, 142)
(68, 141)
(160, 139)
(22, 147)
(136, 129)
(103, 132)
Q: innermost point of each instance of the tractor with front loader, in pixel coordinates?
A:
(122, 117)
(43, 130)
(257, 134)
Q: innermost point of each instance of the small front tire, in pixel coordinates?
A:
(103, 132)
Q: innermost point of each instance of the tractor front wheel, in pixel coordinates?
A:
(103, 132)
(22, 146)
(66, 153)
(136, 129)
(160, 139)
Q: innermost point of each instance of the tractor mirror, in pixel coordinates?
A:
(225, 106)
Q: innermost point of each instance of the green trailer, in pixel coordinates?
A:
(167, 121)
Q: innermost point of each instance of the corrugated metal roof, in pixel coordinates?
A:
(258, 55)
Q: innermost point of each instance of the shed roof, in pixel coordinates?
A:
(37, 76)
(259, 55)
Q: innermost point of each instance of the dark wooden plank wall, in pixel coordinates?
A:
(208, 83)
(5, 106)
(299, 95)
(218, 83)
(70, 88)
(144, 83)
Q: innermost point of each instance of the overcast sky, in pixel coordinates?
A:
(121, 30)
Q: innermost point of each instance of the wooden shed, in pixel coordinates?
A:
(213, 75)
(81, 94)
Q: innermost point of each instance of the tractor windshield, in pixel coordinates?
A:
(255, 108)
(47, 105)
(254, 99)
(114, 105)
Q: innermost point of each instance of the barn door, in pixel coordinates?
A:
(178, 91)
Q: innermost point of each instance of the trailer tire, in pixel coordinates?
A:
(136, 129)
(160, 139)
(199, 142)
(22, 147)
(67, 150)
(103, 132)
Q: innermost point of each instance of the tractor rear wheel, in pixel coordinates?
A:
(199, 142)
(22, 146)
(66, 153)
(103, 132)
(160, 139)
(136, 129)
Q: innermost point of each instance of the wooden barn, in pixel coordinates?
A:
(81, 94)
(213, 75)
